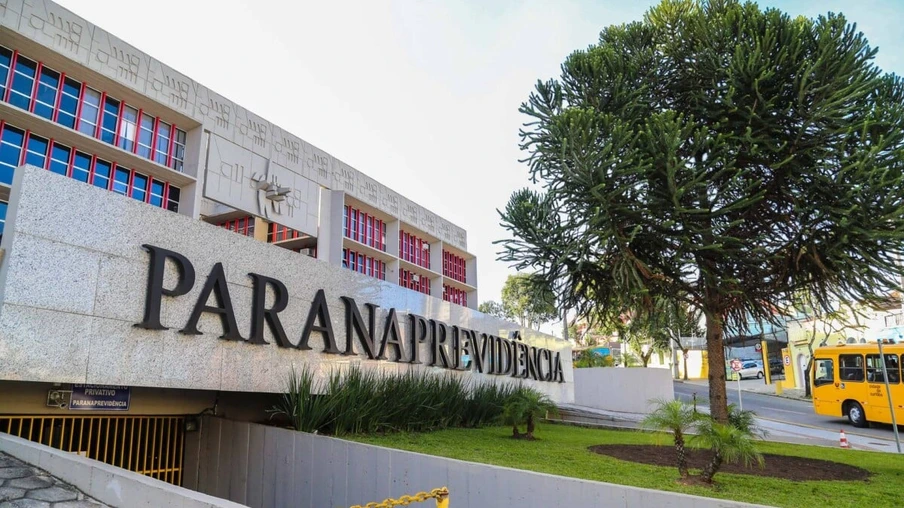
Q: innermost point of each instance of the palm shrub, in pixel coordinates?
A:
(677, 417)
(745, 421)
(486, 403)
(526, 406)
(728, 443)
(306, 408)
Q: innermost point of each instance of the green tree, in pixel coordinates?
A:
(728, 443)
(718, 153)
(677, 417)
(525, 407)
(528, 300)
(493, 308)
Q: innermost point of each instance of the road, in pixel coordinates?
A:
(779, 411)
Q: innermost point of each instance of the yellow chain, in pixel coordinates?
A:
(440, 495)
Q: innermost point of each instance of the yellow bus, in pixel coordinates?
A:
(848, 381)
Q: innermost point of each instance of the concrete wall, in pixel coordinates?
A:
(73, 284)
(107, 484)
(271, 467)
(619, 389)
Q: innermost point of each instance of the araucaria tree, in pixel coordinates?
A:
(718, 153)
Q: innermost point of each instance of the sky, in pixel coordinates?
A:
(421, 95)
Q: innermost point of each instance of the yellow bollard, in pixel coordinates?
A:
(778, 387)
(442, 500)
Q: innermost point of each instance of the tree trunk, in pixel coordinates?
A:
(807, 388)
(530, 426)
(646, 358)
(712, 468)
(684, 357)
(715, 349)
(515, 432)
(682, 455)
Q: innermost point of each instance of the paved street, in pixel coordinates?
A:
(794, 417)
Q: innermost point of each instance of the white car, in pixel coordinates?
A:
(751, 369)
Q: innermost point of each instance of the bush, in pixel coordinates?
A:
(359, 401)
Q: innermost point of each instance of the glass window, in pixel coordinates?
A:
(345, 221)
(109, 121)
(81, 166)
(173, 199)
(163, 141)
(179, 150)
(139, 187)
(145, 136)
(6, 58)
(874, 373)
(48, 86)
(157, 188)
(3, 207)
(90, 108)
(121, 181)
(128, 131)
(72, 91)
(850, 367)
(23, 82)
(59, 159)
(36, 153)
(10, 152)
(102, 171)
(824, 372)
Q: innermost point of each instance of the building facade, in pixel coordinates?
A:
(82, 103)
(166, 253)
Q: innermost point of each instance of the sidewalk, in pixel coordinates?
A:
(754, 386)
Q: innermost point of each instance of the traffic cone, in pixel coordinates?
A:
(844, 441)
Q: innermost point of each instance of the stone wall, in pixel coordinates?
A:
(624, 390)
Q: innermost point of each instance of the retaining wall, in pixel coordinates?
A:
(624, 390)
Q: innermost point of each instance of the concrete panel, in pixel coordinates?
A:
(238, 468)
(323, 475)
(256, 458)
(304, 470)
(284, 463)
(624, 390)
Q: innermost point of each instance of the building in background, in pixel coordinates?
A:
(80, 102)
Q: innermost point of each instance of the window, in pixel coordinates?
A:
(157, 189)
(172, 197)
(824, 372)
(139, 187)
(243, 226)
(179, 150)
(11, 143)
(454, 267)
(59, 159)
(163, 142)
(81, 168)
(146, 136)
(128, 130)
(6, 59)
(23, 83)
(874, 372)
(121, 181)
(109, 121)
(90, 108)
(72, 91)
(48, 88)
(3, 207)
(102, 172)
(850, 367)
(36, 152)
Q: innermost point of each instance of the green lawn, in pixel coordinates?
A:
(562, 450)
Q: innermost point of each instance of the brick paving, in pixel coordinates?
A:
(25, 486)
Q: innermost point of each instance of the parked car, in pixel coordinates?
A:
(751, 369)
(776, 366)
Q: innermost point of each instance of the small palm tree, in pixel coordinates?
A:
(677, 417)
(526, 406)
(728, 443)
(745, 421)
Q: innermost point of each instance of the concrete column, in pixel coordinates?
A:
(329, 234)
(261, 229)
(392, 242)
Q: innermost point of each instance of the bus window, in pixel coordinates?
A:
(825, 372)
(850, 367)
(874, 369)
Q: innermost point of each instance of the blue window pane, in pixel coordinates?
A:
(36, 154)
(102, 174)
(6, 58)
(139, 187)
(121, 181)
(10, 152)
(69, 103)
(23, 82)
(111, 117)
(157, 193)
(81, 166)
(59, 159)
(3, 207)
(48, 85)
